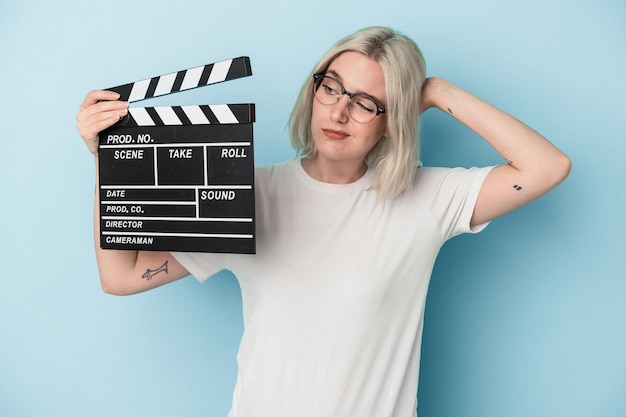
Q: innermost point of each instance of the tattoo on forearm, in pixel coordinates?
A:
(150, 273)
(450, 111)
(517, 187)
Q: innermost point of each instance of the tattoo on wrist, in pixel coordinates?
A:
(517, 187)
(150, 273)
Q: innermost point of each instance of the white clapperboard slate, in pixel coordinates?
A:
(179, 178)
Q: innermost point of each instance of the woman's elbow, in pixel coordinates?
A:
(551, 173)
(113, 288)
(562, 169)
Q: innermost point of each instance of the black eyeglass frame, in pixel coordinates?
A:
(318, 77)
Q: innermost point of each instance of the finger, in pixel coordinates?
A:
(90, 127)
(102, 107)
(95, 96)
(90, 135)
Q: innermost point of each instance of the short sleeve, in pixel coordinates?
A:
(200, 265)
(455, 196)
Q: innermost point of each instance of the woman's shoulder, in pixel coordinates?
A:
(275, 169)
(276, 174)
(436, 177)
(432, 173)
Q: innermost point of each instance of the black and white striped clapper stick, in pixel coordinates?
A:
(187, 79)
(205, 114)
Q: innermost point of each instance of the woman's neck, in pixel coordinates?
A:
(333, 172)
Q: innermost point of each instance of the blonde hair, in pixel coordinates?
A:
(395, 157)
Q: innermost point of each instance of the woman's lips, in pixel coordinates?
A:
(335, 134)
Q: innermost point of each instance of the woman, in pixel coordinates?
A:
(347, 235)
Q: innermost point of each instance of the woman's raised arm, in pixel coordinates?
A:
(534, 166)
(122, 272)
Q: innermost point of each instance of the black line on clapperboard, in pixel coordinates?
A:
(205, 74)
(154, 116)
(181, 115)
(209, 115)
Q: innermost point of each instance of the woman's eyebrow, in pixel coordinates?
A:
(334, 74)
(337, 76)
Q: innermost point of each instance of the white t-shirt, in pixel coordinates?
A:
(333, 300)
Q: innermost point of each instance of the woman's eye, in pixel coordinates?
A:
(329, 90)
(365, 106)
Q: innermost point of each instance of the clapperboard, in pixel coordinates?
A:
(179, 178)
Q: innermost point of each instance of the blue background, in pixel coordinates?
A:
(527, 318)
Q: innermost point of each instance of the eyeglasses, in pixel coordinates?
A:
(328, 91)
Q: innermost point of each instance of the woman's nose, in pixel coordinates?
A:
(339, 111)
